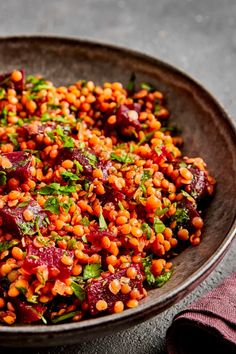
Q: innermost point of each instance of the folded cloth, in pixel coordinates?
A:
(208, 326)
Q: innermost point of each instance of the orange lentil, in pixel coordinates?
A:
(28, 215)
(197, 222)
(125, 229)
(183, 234)
(118, 307)
(152, 203)
(101, 305)
(125, 289)
(16, 76)
(132, 303)
(17, 253)
(131, 273)
(114, 286)
(2, 302)
(157, 266)
(67, 164)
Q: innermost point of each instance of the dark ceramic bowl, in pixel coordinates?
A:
(207, 131)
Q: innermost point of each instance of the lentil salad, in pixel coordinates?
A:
(95, 197)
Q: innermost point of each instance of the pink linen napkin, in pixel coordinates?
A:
(208, 326)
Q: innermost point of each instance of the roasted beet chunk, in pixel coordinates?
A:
(87, 159)
(127, 116)
(199, 185)
(99, 290)
(14, 222)
(111, 196)
(16, 164)
(49, 257)
(7, 82)
(28, 313)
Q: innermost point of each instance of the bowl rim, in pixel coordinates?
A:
(149, 306)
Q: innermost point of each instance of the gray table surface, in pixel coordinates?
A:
(198, 36)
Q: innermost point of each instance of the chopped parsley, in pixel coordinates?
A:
(65, 316)
(185, 194)
(147, 86)
(23, 204)
(181, 216)
(78, 166)
(52, 204)
(153, 281)
(124, 157)
(4, 246)
(3, 178)
(85, 221)
(147, 137)
(121, 206)
(158, 225)
(78, 290)
(69, 176)
(91, 157)
(102, 222)
(131, 84)
(92, 271)
(56, 188)
(146, 230)
(13, 139)
(160, 211)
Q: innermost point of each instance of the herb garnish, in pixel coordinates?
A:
(92, 271)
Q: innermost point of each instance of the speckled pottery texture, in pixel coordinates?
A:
(207, 131)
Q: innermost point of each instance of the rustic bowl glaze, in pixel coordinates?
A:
(207, 131)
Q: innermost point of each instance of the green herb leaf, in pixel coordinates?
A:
(160, 211)
(120, 205)
(69, 176)
(147, 86)
(181, 216)
(78, 290)
(68, 142)
(91, 157)
(65, 316)
(146, 230)
(5, 245)
(186, 194)
(52, 205)
(21, 290)
(33, 299)
(92, 271)
(102, 222)
(131, 84)
(158, 225)
(85, 221)
(182, 165)
(79, 167)
(71, 243)
(162, 279)
(147, 137)
(56, 188)
(124, 157)
(12, 138)
(23, 204)
(150, 278)
(3, 178)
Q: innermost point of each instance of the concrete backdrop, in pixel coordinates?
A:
(198, 36)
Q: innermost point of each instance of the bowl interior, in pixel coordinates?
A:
(206, 130)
